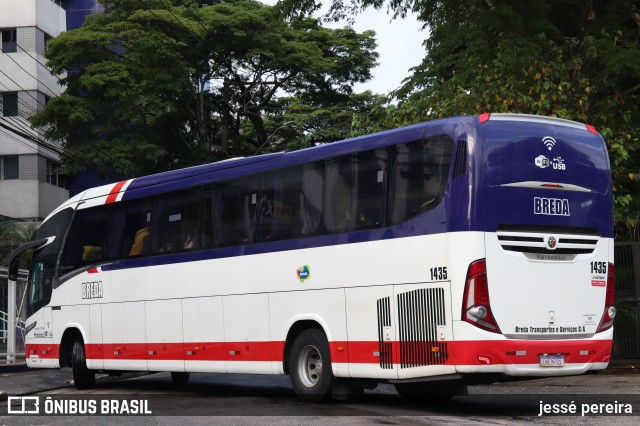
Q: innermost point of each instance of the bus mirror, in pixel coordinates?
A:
(13, 268)
(14, 259)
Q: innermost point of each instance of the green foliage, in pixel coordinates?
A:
(575, 59)
(12, 236)
(301, 122)
(137, 98)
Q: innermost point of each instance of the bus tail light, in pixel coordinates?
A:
(609, 310)
(484, 117)
(476, 308)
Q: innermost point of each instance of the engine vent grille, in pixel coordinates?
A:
(420, 312)
(384, 320)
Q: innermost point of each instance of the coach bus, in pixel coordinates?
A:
(454, 249)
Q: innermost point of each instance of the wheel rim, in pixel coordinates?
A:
(310, 366)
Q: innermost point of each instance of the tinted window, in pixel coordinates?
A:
(10, 104)
(235, 206)
(354, 196)
(279, 205)
(86, 243)
(43, 264)
(177, 225)
(130, 229)
(418, 176)
(11, 168)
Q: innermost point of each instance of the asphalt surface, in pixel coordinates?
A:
(624, 378)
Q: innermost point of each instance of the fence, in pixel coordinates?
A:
(626, 340)
(18, 333)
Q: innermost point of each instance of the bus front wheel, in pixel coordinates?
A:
(310, 366)
(82, 376)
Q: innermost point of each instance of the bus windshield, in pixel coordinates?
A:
(43, 264)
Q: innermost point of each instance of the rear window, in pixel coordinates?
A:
(520, 152)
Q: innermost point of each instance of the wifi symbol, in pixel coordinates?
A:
(549, 142)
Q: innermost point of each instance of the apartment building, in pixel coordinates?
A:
(30, 187)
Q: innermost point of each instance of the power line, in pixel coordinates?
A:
(36, 59)
(61, 153)
(22, 88)
(27, 72)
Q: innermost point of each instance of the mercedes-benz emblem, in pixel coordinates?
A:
(551, 242)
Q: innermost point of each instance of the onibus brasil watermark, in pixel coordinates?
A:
(83, 406)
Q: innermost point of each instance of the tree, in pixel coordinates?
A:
(575, 59)
(12, 236)
(150, 84)
(302, 122)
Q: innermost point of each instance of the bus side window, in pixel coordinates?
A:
(279, 211)
(212, 217)
(130, 229)
(86, 242)
(418, 176)
(238, 216)
(354, 195)
(177, 225)
(311, 198)
(371, 188)
(340, 191)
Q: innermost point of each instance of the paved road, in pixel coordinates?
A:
(249, 399)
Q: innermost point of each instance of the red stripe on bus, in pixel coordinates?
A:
(113, 195)
(529, 351)
(46, 351)
(92, 271)
(497, 352)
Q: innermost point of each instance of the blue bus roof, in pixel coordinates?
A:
(225, 169)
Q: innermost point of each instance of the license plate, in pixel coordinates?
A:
(551, 360)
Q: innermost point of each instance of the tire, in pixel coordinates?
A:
(430, 391)
(83, 378)
(310, 366)
(180, 378)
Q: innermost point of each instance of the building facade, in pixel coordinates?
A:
(30, 187)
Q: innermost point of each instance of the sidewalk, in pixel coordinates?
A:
(20, 380)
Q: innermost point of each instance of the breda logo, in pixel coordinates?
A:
(551, 242)
(551, 206)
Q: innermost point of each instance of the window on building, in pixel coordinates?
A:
(47, 39)
(9, 40)
(9, 167)
(53, 176)
(9, 104)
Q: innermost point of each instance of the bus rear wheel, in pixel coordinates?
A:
(83, 378)
(310, 366)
